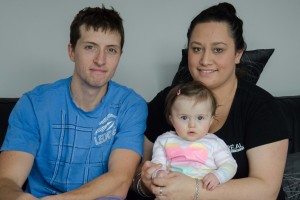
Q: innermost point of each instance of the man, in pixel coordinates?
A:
(80, 137)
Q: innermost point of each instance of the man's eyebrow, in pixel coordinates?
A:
(94, 43)
(114, 45)
(89, 42)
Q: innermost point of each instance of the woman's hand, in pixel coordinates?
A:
(175, 186)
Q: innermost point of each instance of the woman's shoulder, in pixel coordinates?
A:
(252, 100)
(250, 91)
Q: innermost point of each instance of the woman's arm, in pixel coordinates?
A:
(266, 167)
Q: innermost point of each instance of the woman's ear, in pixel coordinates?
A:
(238, 55)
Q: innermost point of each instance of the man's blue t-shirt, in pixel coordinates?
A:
(71, 147)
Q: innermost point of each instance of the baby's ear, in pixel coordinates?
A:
(212, 119)
(170, 119)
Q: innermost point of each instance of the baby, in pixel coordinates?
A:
(190, 149)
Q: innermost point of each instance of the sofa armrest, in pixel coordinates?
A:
(6, 106)
(290, 106)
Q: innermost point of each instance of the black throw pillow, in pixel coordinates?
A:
(250, 67)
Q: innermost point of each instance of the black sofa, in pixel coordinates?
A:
(290, 106)
(6, 106)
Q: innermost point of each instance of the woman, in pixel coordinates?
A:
(247, 117)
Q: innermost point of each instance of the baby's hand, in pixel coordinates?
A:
(162, 173)
(210, 181)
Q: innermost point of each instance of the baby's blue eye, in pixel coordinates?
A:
(200, 118)
(184, 117)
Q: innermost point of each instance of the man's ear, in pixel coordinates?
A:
(71, 52)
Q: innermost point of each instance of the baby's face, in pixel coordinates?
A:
(191, 119)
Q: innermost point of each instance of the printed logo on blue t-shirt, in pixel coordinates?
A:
(107, 129)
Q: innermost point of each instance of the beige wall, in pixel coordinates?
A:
(34, 35)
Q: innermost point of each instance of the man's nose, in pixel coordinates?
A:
(100, 57)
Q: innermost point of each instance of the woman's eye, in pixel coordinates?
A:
(218, 50)
(197, 49)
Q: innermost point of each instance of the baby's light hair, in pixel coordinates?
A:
(193, 89)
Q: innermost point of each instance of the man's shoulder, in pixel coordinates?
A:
(50, 88)
(47, 93)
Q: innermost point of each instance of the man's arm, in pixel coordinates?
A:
(121, 168)
(14, 169)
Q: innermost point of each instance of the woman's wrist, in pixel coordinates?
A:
(138, 186)
(141, 190)
(135, 181)
(197, 189)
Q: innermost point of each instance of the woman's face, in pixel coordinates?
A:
(211, 54)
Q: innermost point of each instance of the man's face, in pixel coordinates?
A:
(96, 56)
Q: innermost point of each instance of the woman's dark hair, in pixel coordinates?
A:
(103, 18)
(193, 89)
(223, 12)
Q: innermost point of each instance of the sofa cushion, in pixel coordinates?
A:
(250, 67)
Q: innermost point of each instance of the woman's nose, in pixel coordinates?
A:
(205, 58)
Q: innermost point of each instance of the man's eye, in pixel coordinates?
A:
(89, 47)
(112, 51)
